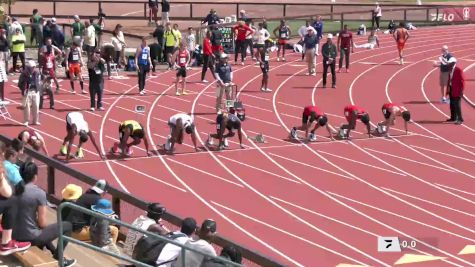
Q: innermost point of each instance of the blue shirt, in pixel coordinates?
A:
(224, 72)
(318, 26)
(13, 172)
(310, 42)
(446, 67)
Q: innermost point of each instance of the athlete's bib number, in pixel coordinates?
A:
(49, 64)
(144, 56)
(283, 35)
(97, 70)
(182, 60)
(75, 57)
(385, 111)
(266, 58)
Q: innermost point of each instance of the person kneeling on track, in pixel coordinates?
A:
(353, 113)
(226, 121)
(76, 125)
(179, 125)
(310, 115)
(34, 139)
(134, 129)
(390, 111)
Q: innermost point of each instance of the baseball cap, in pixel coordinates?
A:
(223, 55)
(53, 19)
(100, 186)
(452, 60)
(209, 225)
(330, 36)
(31, 64)
(76, 17)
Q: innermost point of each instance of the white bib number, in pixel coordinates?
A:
(266, 58)
(144, 56)
(283, 35)
(97, 70)
(49, 64)
(75, 57)
(182, 60)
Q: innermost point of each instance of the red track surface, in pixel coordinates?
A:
(318, 204)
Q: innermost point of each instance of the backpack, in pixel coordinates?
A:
(131, 64)
(148, 248)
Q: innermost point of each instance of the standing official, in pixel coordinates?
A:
(310, 43)
(329, 53)
(455, 91)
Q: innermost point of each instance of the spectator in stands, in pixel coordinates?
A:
(8, 210)
(7, 26)
(30, 224)
(211, 19)
(165, 11)
(57, 36)
(3, 148)
(176, 31)
(170, 252)
(12, 171)
(329, 53)
(18, 48)
(171, 41)
(71, 193)
(96, 69)
(318, 26)
(229, 252)
(203, 244)
(77, 29)
(4, 51)
(118, 41)
(36, 28)
(154, 215)
(208, 57)
(30, 86)
(19, 146)
(376, 16)
(158, 33)
(80, 221)
(310, 43)
(48, 30)
(100, 230)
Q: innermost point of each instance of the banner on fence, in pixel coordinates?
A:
(456, 14)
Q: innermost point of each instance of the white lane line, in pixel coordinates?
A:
(359, 162)
(442, 153)
(310, 166)
(458, 190)
(430, 202)
(407, 159)
(205, 172)
(402, 217)
(460, 144)
(259, 169)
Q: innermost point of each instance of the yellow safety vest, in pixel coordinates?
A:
(17, 48)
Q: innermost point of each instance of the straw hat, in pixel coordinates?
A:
(71, 192)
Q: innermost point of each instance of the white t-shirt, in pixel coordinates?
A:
(170, 251)
(142, 222)
(78, 119)
(192, 258)
(90, 38)
(377, 11)
(185, 118)
(304, 29)
(262, 36)
(191, 40)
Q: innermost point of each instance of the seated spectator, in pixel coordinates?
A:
(100, 230)
(154, 214)
(3, 148)
(170, 252)
(30, 223)
(229, 252)
(80, 221)
(8, 210)
(12, 171)
(70, 193)
(19, 147)
(203, 244)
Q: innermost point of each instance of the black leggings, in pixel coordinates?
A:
(207, 63)
(240, 48)
(2, 91)
(15, 56)
(48, 90)
(142, 76)
(50, 233)
(8, 209)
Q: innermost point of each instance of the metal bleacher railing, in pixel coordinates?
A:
(54, 176)
(62, 238)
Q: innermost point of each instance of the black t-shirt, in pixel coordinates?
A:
(78, 219)
(158, 33)
(165, 6)
(216, 37)
(233, 120)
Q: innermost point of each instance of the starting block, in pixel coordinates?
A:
(343, 133)
(381, 129)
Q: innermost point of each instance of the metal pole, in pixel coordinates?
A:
(285, 10)
(116, 205)
(405, 15)
(237, 11)
(342, 20)
(54, 8)
(427, 15)
(145, 10)
(59, 249)
(51, 176)
(331, 12)
(437, 16)
(191, 10)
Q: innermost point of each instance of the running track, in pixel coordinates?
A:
(318, 204)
